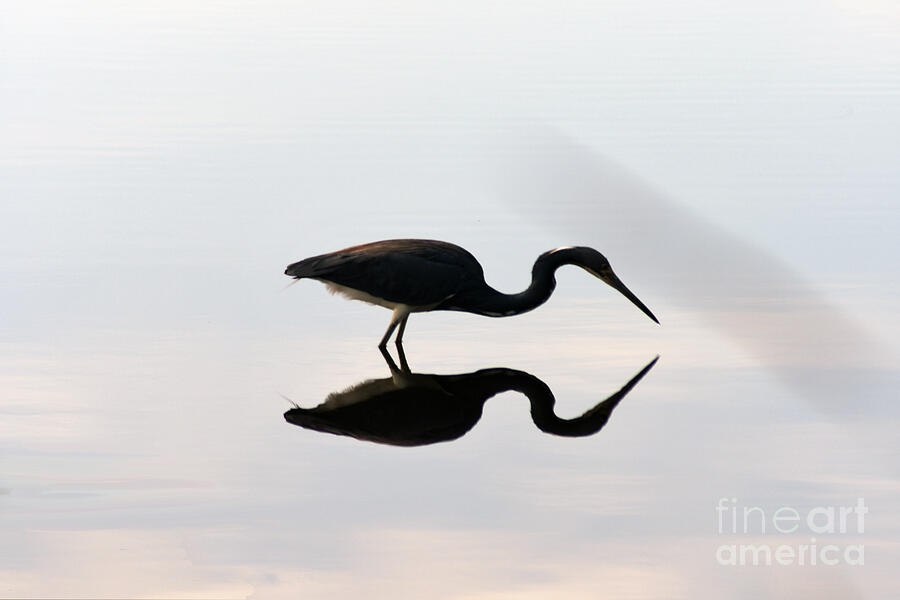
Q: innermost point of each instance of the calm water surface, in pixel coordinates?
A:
(161, 165)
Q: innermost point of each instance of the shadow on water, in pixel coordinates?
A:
(416, 409)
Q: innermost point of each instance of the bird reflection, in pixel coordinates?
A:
(416, 409)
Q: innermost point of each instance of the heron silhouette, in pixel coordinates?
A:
(417, 409)
(410, 276)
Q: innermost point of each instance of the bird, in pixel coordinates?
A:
(417, 409)
(413, 275)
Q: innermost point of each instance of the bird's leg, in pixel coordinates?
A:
(399, 340)
(387, 334)
(399, 318)
(390, 361)
(402, 355)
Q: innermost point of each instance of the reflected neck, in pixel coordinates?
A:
(543, 402)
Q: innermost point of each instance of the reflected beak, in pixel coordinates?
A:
(616, 283)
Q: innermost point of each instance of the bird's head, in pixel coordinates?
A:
(597, 265)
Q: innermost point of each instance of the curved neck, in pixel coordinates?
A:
(495, 381)
(543, 415)
(497, 304)
(543, 402)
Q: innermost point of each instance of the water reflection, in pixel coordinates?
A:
(416, 409)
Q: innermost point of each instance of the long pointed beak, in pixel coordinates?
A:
(616, 283)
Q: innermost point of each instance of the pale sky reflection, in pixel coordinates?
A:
(161, 163)
(738, 289)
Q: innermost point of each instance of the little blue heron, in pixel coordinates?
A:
(410, 276)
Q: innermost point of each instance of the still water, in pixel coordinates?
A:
(161, 165)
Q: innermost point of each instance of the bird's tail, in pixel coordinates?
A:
(317, 266)
(297, 270)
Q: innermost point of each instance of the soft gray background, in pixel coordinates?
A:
(161, 163)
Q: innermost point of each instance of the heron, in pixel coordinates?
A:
(410, 275)
(417, 409)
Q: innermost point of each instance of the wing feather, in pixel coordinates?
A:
(414, 272)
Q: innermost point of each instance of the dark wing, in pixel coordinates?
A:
(414, 272)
